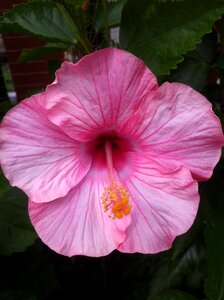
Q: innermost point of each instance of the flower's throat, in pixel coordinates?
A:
(115, 198)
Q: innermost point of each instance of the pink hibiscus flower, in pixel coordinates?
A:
(108, 159)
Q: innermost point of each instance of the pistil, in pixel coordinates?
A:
(109, 159)
(115, 198)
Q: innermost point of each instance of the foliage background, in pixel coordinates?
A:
(180, 41)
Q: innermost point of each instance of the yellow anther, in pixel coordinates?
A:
(117, 206)
(126, 210)
(124, 201)
(115, 199)
(118, 214)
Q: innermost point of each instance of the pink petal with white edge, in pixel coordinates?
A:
(164, 205)
(98, 93)
(37, 156)
(176, 125)
(77, 224)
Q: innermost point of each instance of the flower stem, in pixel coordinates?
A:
(106, 23)
(71, 24)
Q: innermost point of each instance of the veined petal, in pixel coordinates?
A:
(76, 224)
(37, 156)
(98, 93)
(164, 205)
(176, 126)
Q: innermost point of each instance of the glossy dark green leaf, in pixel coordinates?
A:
(36, 53)
(174, 295)
(162, 32)
(43, 20)
(16, 230)
(214, 233)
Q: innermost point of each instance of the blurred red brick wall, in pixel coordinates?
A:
(29, 76)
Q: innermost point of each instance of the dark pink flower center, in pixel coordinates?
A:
(120, 147)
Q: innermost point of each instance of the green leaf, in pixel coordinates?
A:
(4, 185)
(7, 27)
(184, 242)
(214, 233)
(162, 32)
(178, 270)
(16, 230)
(174, 295)
(192, 72)
(4, 107)
(17, 294)
(74, 2)
(43, 20)
(36, 53)
(6, 72)
(114, 10)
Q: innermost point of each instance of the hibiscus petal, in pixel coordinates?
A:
(37, 156)
(164, 205)
(98, 93)
(177, 126)
(77, 224)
